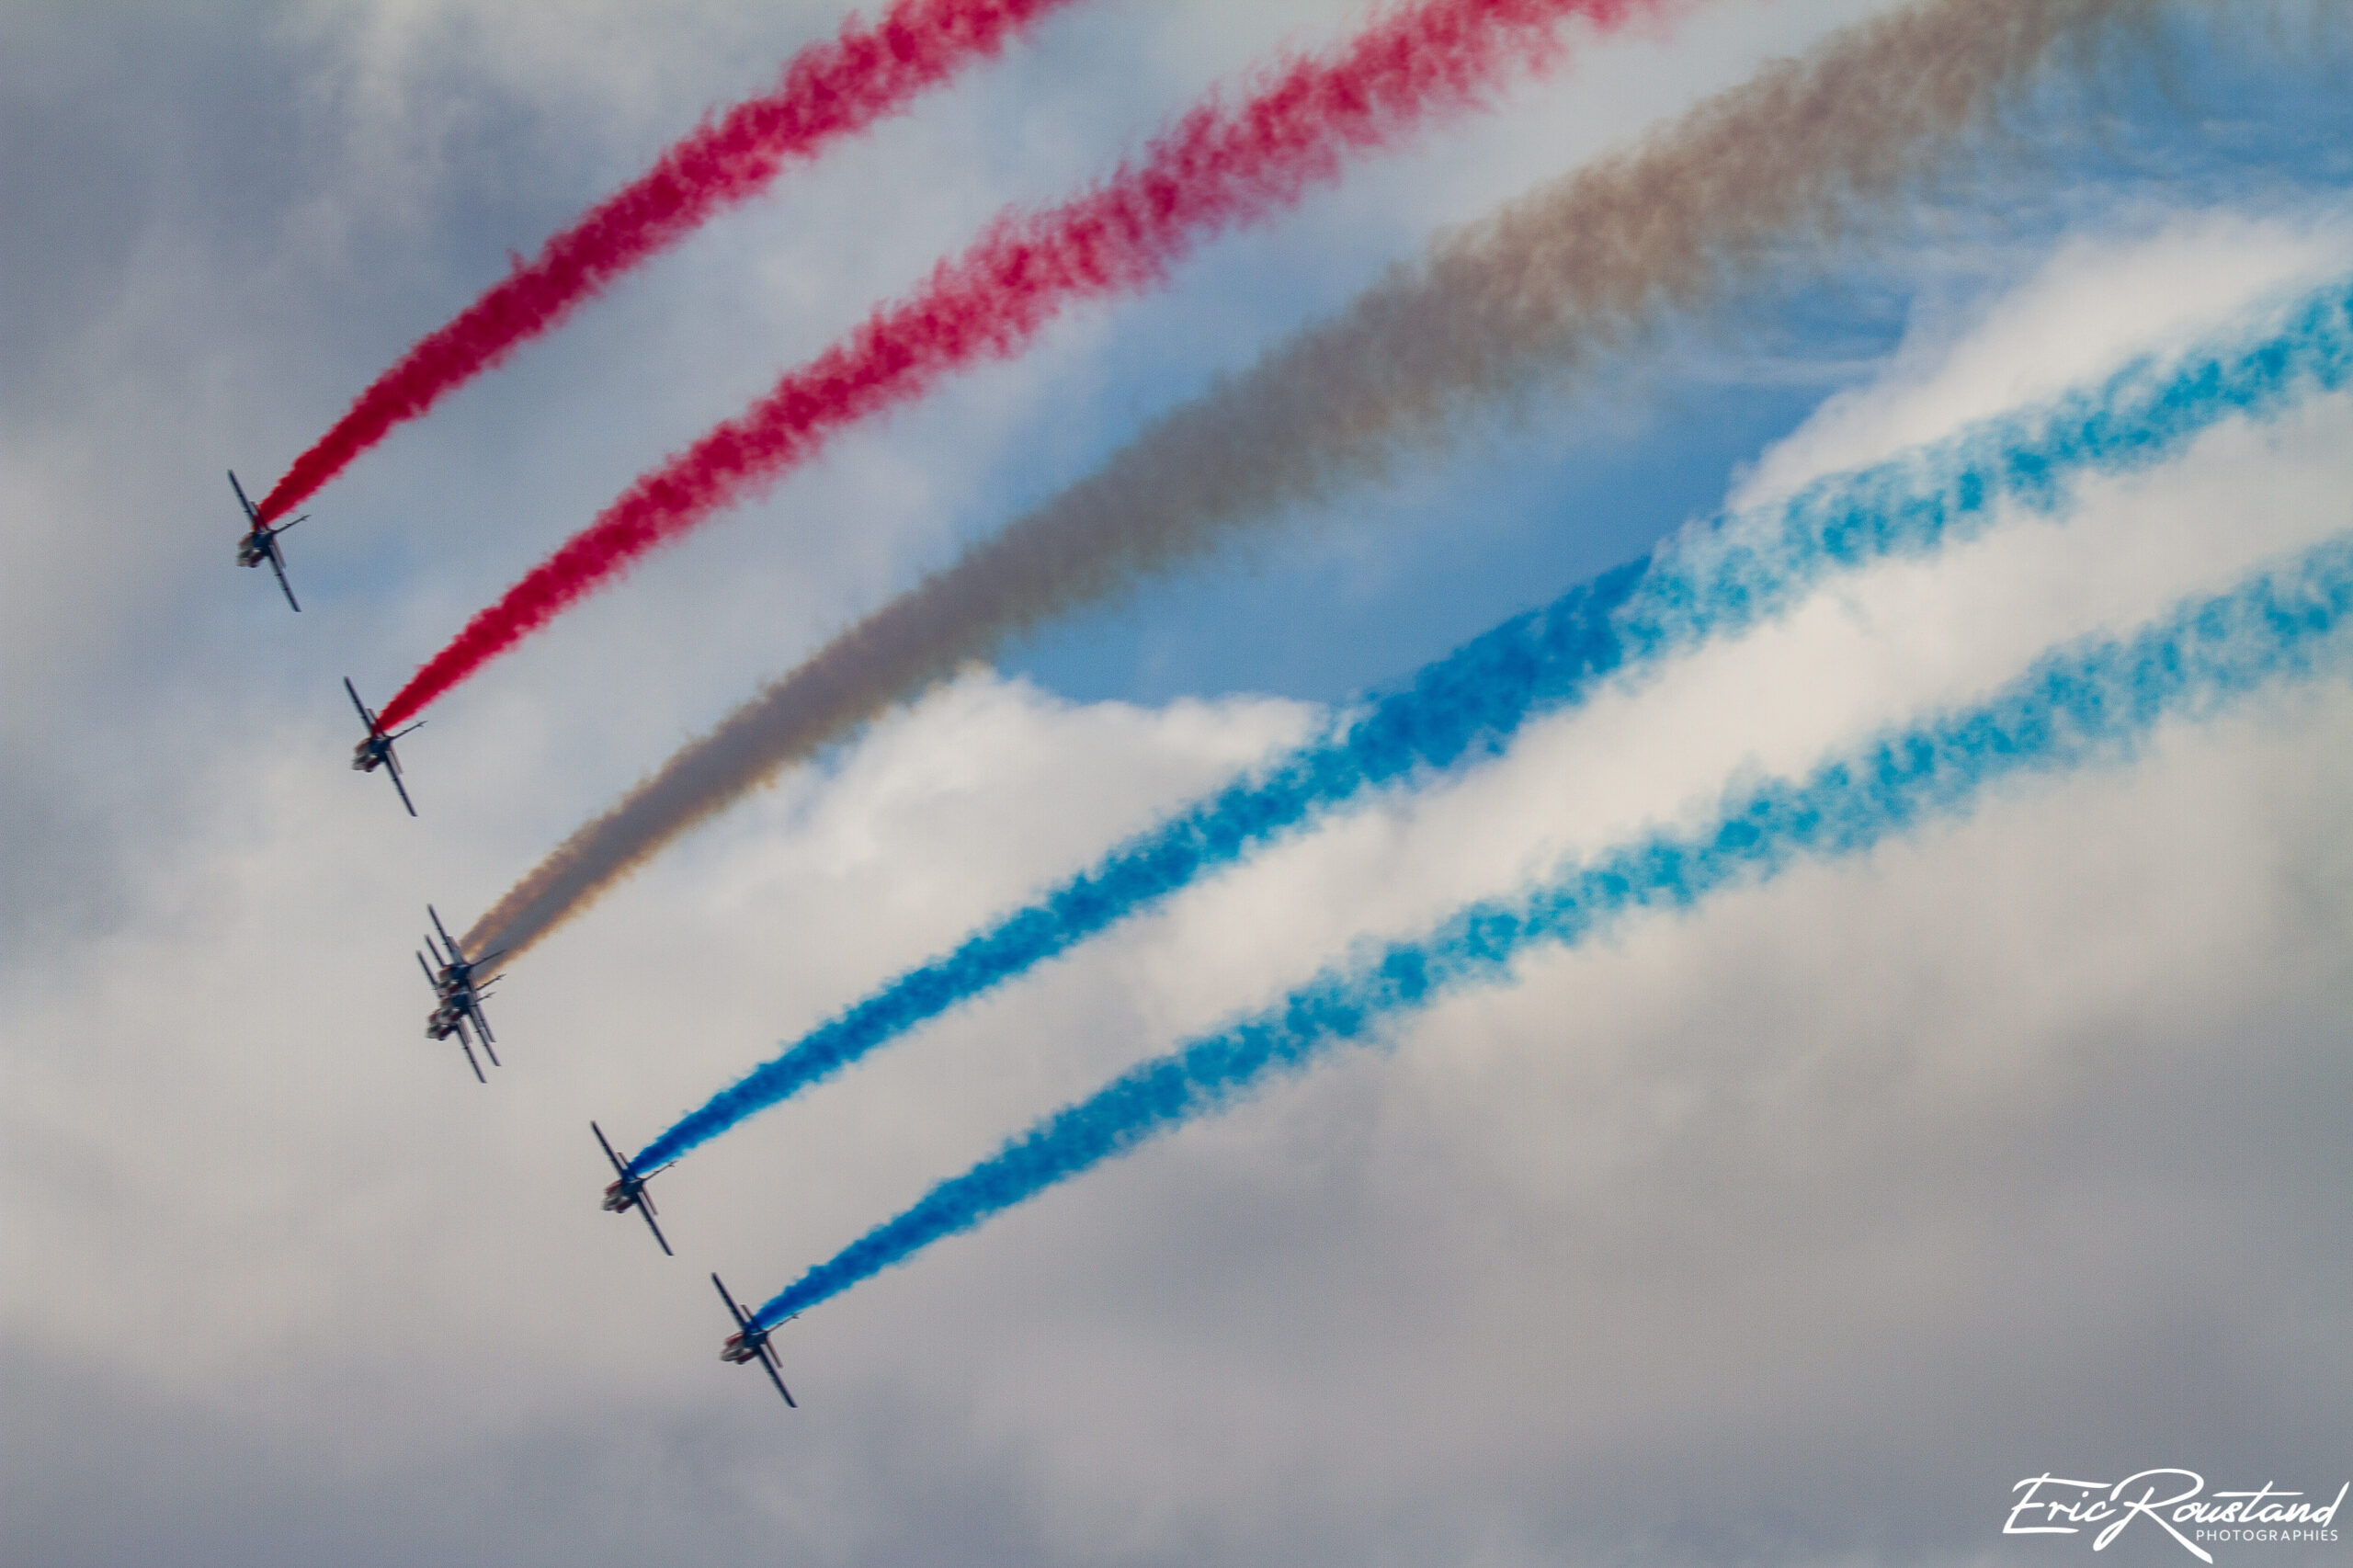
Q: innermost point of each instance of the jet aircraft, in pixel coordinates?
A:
(457, 995)
(449, 1018)
(376, 751)
(629, 1193)
(260, 542)
(751, 1343)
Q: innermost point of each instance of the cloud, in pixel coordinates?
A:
(1799, 1231)
(1545, 289)
(2099, 300)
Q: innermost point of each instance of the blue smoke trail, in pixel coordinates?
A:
(1712, 581)
(2090, 702)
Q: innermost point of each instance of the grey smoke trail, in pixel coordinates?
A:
(1549, 284)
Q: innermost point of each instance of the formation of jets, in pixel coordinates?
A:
(258, 546)
(457, 995)
(459, 987)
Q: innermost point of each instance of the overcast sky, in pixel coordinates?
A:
(1796, 1229)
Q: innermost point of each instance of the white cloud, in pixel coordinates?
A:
(2099, 303)
(1864, 1187)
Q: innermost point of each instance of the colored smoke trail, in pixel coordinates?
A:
(1711, 583)
(828, 91)
(2092, 702)
(1541, 290)
(1219, 167)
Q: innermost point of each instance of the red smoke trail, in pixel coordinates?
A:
(1217, 169)
(829, 90)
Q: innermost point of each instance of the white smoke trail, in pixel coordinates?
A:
(1546, 287)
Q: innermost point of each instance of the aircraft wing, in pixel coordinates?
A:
(768, 1364)
(392, 767)
(619, 1170)
(734, 1311)
(364, 717)
(469, 1050)
(473, 1010)
(251, 516)
(470, 1041)
(447, 940)
(645, 1207)
(278, 565)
